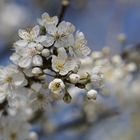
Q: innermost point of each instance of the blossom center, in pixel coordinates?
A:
(56, 86)
(50, 19)
(60, 66)
(9, 80)
(13, 136)
(40, 97)
(33, 51)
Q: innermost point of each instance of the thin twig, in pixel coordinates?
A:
(64, 7)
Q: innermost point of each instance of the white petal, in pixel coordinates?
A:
(44, 15)
(48, 42)
(46, 19)
(80, 46)
(18, 79)
(51, 29)
(82, 51)
(71, 51)
(55, 61)
(21, 43)
(2, 95)
(32, 45)
(37, 60)
(23, 34)
(40, 38)
(65, 41)
(35, 31)
(36, 86)
(25, 62)
(66, 28)
(28, 72)
(15, 58)
(70, 65)
(62, 53)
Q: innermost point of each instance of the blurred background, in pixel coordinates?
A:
(101, 21)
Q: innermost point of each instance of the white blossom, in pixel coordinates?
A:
(97, 78)
(80, 47)
(33, 136)
(47, 20)
(27, 37)
(11, 79)
(27, 57)
(33, 37)
(20, 130)
(56, 86)
(61, 35)
(61, 63)
(39, 97)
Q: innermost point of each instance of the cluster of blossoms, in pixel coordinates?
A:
(47, 61)
(119, 82)
(119, 79)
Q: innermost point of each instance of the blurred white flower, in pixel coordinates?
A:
(92, 94)
(39, 97)
(33, 136)
(97, 78)
(11, 79)
(20, 131)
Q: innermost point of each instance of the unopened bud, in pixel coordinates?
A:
(74, 78)
(45, 52)
(67, 98)
(33, 136)
(39, 47)
(65, 2)
(92, 94)
(36, 71)
(37, 60)
(122, 38)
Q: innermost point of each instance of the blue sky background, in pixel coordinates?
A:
(100, 20)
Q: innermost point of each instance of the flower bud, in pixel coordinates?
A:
(37, 60)
(39, 47)
(122, 38)
(33, 136)
(45, 52)
(67, 98)
(92, 94)
(74, 78)
(36, 71)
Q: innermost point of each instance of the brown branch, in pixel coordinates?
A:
(64, 6)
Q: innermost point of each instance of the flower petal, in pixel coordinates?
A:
(37, 60)
(23, 34)
(25, 62)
